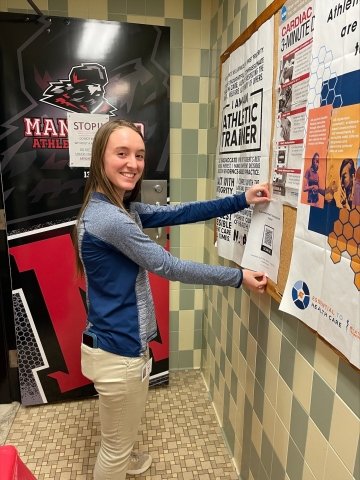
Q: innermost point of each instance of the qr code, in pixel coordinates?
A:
(267, 240)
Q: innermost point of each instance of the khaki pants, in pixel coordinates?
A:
(122, 398)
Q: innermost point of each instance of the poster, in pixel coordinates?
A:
(323, 286)
(50, 70)
(262, 251)
(244, 132)
(293, 72)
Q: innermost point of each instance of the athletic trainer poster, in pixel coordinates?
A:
(244, 132)
(323, 287)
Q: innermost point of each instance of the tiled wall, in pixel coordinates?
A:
(288, 405)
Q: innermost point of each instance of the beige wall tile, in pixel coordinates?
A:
(245, 308)
(281, 440)
(202, 140)
(283, 402)
(201, 191)
(239, 421)
(98, 10)
(174, 301)
(191, 34)
(251, 352)
(205, 34)
(176, 88)
(326, 362)
(302, 381)
(78, 8)
(271, 382)
(315, 450)
(232, 411)
(136, 19)
(197, 358)
(155, 21)
(175, 166)
(252, 12)
(264, 304)
(237, 455)
(269, 418)
(249, 388)
(191, 62)
(307, 473)
(344, 433)
(173, 8)
(204, 90)
(175, 140)
(199, 299)
(334, 468)
(256, 433)
(274, 345)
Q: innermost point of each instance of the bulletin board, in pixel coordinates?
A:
(327, 237)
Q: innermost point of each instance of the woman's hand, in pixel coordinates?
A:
(258, 194)
(254, 281)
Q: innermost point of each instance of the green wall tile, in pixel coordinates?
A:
(173, 341)
(117, 17)
(205, 63)
(295, 462)
(176, 32)
(202, 162)
(175, 114)
(199, 314)
(277, 470)
(260, 369)
(253, 319)
(155, 8)
(321, 407)
(234, 384)
(237, 301)
(287, 360)
(217, 375)
(60, 5)
(348, 386)
(176, 56)
(192, 9)
(229, 33)
(263, 331)
(136, 7)
(290, 328)
(174, 360)
(188, 190)
(189, 166)
(117, 6)
(175, 191)
(258, 401)
(191, 87)
(243, 340)
(261, 5)
(306, 343)
(186, 301)
(222, 362)
(197, 339)
(266, 452)
(275, 314)
(237, 6)
(298, 425)
(186, 359)
(213, 30)
(189, 144)
(229, 346)
(174, 320)
(243, 18)
(225, 16)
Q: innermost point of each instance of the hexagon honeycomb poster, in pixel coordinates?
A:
(323, 286)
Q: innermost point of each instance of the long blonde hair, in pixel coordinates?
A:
(98, 181)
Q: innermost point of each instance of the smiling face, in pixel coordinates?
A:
(124, 159)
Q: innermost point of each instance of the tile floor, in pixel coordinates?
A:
(180, 430)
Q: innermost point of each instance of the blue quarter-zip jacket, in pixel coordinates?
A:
(117, 255)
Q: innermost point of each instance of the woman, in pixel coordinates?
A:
(115, 255)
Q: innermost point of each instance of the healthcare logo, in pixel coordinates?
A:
(82, 92)
(283, 13)
(301, 295)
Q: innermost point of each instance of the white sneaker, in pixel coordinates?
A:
(139, 463)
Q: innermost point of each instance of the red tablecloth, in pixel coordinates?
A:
(11, 466)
